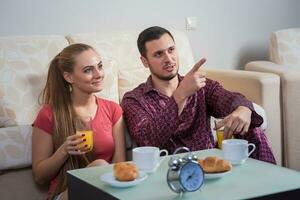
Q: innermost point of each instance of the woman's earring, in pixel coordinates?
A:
(70, 88)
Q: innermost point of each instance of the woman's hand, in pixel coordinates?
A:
(46, 162)
(72, 145)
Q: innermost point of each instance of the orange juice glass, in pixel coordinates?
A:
(84, 127)
(88, 136)
(220, 137)
(219, 133)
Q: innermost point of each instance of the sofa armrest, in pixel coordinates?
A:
(290, 81)
(257, 87)
(259, 110)
(260, 88)
(270, 67)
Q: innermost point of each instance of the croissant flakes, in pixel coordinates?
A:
(213, 164)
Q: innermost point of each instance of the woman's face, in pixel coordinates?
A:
(87, 75)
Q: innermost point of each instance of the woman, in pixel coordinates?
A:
(74, 75)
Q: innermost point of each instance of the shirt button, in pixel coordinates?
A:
(162, 103)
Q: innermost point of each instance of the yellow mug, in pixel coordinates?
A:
(88, 139)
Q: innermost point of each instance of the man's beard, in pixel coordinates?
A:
(164, 78)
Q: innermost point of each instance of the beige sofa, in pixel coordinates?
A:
(23, 69)
(285, 62)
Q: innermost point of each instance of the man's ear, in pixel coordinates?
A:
(68, 77)
(144, 61)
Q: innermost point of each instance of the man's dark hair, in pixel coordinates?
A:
(149, 34)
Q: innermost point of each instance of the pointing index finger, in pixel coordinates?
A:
(198, 65)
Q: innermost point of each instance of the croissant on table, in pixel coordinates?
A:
(124, 171)
(213, 164)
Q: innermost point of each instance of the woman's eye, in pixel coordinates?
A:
(87, 70)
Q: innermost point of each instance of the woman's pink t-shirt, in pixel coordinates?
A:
(107, 114)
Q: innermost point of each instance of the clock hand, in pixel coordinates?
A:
(190, 176)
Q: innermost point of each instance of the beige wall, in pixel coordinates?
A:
(230, 33)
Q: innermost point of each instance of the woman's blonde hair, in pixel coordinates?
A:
(57, 94)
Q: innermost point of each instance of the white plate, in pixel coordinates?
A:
(216, 175)
(150, 171)
(110, 179)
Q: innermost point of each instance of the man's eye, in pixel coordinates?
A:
(157, 54)
(100, 66)
(171, 49)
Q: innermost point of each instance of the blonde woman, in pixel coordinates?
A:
(74, 76)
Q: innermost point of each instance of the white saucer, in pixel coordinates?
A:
(110, 179)
(215, 175)
(149, 171)
(237, 162)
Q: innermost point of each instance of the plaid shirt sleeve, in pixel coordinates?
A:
(222, 102)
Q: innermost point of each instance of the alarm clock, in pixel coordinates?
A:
(184, 174)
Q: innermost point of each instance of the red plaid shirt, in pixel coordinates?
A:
(152, 118)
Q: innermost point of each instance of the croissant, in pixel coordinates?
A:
(124, 171)
(213, 164)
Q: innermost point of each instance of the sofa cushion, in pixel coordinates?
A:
(130, 78)
(15, 147)
(110, 87)
(120, 47)
(285, 47)
(24, 62)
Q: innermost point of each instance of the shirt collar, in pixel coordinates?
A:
(149, 84)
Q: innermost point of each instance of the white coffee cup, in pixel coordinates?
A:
(237, 150)
(148, 158)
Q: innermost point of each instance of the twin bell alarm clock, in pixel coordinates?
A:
(184, 173)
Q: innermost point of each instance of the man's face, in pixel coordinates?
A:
(161, 58)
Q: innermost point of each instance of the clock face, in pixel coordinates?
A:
(191, 176)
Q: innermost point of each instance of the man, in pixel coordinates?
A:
(169, 111)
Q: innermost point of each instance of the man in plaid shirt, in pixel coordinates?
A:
(169, 110)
